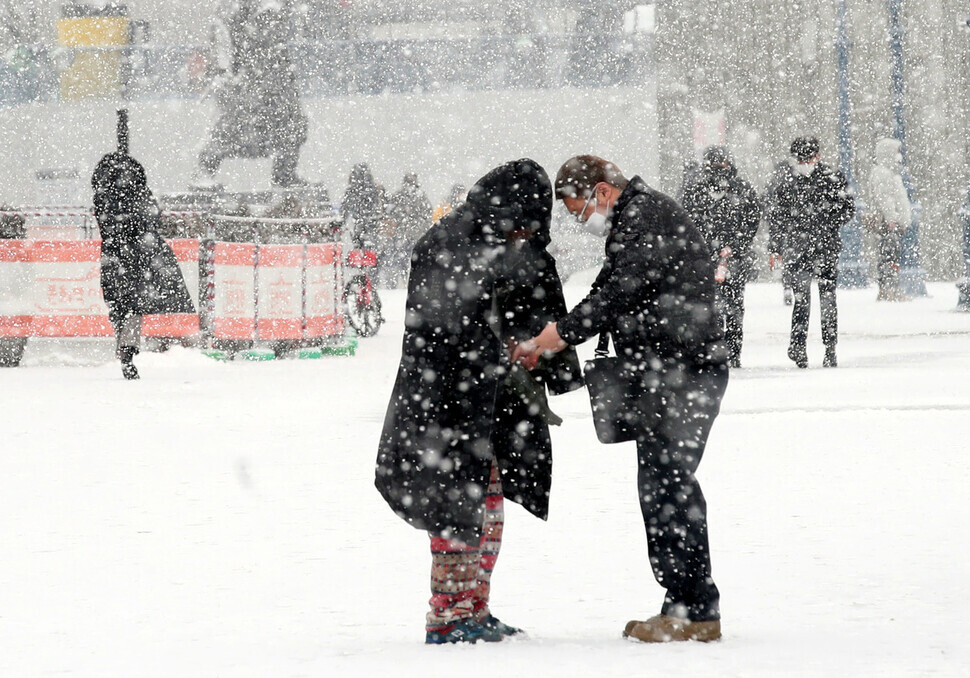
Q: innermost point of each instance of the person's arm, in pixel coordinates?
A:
(620, 287)
(750, 219)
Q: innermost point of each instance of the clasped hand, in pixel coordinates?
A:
(529, 351)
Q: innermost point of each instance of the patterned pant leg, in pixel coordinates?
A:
(454, 575)
(491, 541)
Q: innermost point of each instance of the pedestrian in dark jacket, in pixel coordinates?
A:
(808, 208)
(408, 217)
(726, 209)
(139, 273)
(364, 206)
(655, 298)
(462, 431)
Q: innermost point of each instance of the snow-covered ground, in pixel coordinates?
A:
(220, 520)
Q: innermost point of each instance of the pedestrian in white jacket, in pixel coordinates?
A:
(890, 216)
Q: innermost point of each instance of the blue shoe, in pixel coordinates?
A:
(494, 624)
(464, 631)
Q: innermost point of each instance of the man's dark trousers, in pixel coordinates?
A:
(825, 270)
(673, 506)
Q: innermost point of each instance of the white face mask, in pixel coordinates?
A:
(596, 223)
(805, 169)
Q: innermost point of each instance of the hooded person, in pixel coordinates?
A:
(139, 273)
(462, 429)
(892, 215)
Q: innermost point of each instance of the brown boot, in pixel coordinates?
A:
(665, 629)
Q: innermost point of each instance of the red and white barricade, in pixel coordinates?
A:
(276, 292)
(16, 285)
(52, 288)
(279, 292)
(66, 299)
(324, 287)
(234, 291)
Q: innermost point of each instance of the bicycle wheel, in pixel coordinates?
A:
(363, 310)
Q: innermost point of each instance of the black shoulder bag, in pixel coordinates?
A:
(615, 392)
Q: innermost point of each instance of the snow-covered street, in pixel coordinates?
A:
(220, 519)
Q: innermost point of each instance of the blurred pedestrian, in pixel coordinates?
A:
(889, 217)
(726, 209)
(408, 217)
(779, 173)
(363, 207)
(139, 273)
(809, 207)
(456, 196)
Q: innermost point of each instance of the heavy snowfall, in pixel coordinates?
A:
(219, 517)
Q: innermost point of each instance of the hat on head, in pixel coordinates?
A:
(716, 155)
(804, 148)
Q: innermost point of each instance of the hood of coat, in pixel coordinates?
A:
(516, 196)
(120, 186)
(888, 154)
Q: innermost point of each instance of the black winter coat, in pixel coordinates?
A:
(805, 215)
(139, 272)
(655, 292)
(727, 211)
(450, 414)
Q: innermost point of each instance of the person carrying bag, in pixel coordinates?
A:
(654, 297)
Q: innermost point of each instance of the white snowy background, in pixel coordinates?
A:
(219, 519)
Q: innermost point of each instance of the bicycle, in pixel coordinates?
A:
(362, 305)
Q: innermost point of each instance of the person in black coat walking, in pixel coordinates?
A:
(364, 207)
(655, 297)
(808, 208)
(726, 209)
(139, 273)
(462, 429)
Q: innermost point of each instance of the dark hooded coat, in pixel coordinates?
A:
(139, 273)
(455, 405)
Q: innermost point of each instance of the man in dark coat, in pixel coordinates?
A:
(139, 273)
(655, 297)
(726, 209)
(461, 430)
(808, 208)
